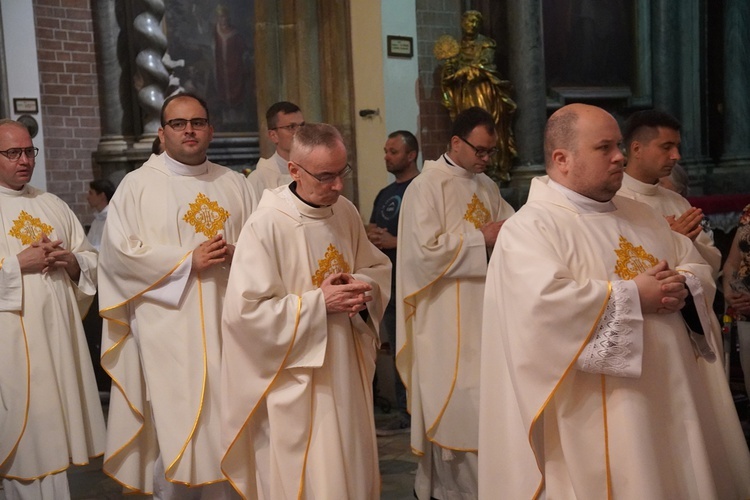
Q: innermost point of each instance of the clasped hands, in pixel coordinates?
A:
(46, 255)
(380, 237)
(344, 293)
(661, 290)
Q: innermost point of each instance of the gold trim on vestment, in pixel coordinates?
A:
(632, 260)
(262, 397)
(29, 229)
(455, 378)
(407, 317)
(607, 462)
(28, 396)
(333, 262)
(476, 213)
(557, 385)
(206, 216)
(203, 393)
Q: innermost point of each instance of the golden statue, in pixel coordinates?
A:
(470, 78)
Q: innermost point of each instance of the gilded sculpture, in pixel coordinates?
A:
(470, 78)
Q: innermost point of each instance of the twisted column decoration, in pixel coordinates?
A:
(155, 78)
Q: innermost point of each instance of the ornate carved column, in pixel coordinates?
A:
(153, 74)
(527, 76)
(736, 82)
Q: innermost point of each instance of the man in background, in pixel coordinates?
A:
(283, 119)
(401, 151)
(450, 217)
(100, 192)
(652, 141)
(50, 415)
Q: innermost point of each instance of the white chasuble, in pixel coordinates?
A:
(269, 173)
(297, 405)
(548, 429)
(161, 342)
(50, 414)
(441, 268)
(667, 202)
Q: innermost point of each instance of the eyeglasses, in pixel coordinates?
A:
(481, 152)
(328, 178)
(14, 154)
(292, 127)
(179, 124)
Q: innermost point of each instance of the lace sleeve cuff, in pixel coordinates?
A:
(616, 347)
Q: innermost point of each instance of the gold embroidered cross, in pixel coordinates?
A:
(206, 216)
(29, 229)
(332, 263)
(476, 212)
(632, 260)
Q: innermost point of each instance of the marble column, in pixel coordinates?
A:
(526, 72)
(154, 76)
(665, 40)
(736, 82)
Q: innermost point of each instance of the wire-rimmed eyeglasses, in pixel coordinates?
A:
(481, 152)
(328, 178)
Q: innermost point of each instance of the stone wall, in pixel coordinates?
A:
(69, 97)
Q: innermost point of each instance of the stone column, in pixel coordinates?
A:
(528, 78)
(116, 124)
(736, 82)
(665, 40)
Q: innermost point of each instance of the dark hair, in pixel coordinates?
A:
(156, 146)
(408, 138)
(177, 96)
(103, 186)
(642, 125)
(284, 107)
(471, 118)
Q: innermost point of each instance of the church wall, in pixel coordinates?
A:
(69, 97)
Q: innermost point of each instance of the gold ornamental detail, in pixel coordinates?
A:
(476, 212)
(206, 216)
(29, 229)
(332, 263)
(632, 260)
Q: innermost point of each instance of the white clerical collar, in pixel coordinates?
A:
(281, 163)
(103, 214)
(584, 204)
(179, 168)
(456, 169)
(12, 192)
(303, 208)
(640, 187)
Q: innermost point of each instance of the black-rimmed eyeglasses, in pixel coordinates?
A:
(328, 178)
(14, 154)
(481, 152)
(179, 124)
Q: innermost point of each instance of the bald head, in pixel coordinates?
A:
(582, 151)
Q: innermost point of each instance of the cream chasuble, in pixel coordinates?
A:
(297, 407)
(667, 202)
(548, 429)
(161, 342)
(269, 173)
(441, 268)
(50, 414)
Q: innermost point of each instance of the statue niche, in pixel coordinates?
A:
(470, 78)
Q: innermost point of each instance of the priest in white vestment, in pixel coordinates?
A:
(283, 120)
(306, 293)
(652, 139)
(450, 217)
(165, 260)
(593, 351)
(50, 414)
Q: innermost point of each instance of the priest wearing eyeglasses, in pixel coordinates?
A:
(50, 415)
(283, 118)
(300, 328)
(165, 258)
(450, 217)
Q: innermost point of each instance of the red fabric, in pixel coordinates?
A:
(720, 203)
